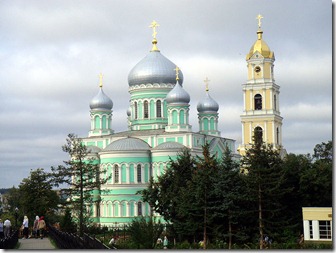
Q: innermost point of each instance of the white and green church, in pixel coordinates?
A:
(158, 129)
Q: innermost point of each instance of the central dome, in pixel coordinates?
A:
(154, 68)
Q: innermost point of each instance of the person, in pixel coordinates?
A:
(7, 228)
(41, 226)
(1, 229)
(25, 227)
(35, 227)
(165, 242)
(112, 241)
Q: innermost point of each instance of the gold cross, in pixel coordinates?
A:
(259, 17)
(100, 80)
(153, 25)
(206, 84)
(177, 72)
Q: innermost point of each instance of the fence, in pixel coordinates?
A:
(10, 242)
(65, 240)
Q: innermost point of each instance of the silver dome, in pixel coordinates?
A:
(101, 101)
(178, 95)
(169, 145)
(127, 144)
(154, 68)
(207, 104)
(93, 149)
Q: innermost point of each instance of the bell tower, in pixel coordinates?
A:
(261, 118)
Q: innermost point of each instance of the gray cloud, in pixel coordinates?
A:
(51, 53)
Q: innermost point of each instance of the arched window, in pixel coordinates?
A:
(275, 103)
(116, 174)
(158, 109)
(277, 135)
(139, 208)
(135, 110)
(257, 102)
(258, 135)
(139, 173)
(146, 109)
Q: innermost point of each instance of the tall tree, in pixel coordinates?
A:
(82, 177)
(164, 194)
(228, 200)
(36, 194)
(265, 180)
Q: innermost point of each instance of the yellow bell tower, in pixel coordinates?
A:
(261, 118)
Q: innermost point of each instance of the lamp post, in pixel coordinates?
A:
(16, 216)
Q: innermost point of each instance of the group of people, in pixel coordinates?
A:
(5, 228)
(38, 230)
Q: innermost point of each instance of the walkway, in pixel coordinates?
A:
(33, 243)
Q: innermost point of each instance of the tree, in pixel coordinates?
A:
(164, 194)
(83, 176)
(36, 195)
(265, 180)
(144, 232)
(67, 224)
(228, 200)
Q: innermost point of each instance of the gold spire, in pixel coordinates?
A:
(177, 73)
(153, 25)
(100, 80)
(206, 84)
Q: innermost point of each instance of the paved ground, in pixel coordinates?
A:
(33, 243)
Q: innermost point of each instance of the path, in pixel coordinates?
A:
(33, 243)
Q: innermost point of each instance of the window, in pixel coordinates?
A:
(275, 101)
(257, 102)
(310, 229)
(139, 173)
(139, 208)
(325, 229)
(135, 110)
(146, 109)
(258, 135)
(158, 109)
(277, 135)
(116, 174)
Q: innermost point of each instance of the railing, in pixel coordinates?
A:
(66, 240)
(10, 242)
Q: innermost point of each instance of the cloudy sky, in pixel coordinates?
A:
(52, 51)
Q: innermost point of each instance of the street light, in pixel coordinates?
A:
(16, 216)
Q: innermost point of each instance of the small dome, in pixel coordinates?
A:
(169, 145)
(127, 144)
(207, 104)
(154, 68)
(260, 46)
(101, 101)
(178, 95)
(93, 149)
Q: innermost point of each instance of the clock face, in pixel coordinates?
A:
(257, 69)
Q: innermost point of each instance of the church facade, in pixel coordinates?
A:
(158, 129)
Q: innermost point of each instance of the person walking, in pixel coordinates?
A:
(25, 227)
(41, 226)
(165, 242)
(35, 227)
(7, 228)
(1, 229)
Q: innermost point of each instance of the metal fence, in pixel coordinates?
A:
(10, 242)
(66, 240)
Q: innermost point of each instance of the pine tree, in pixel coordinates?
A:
(265, 179)
(228, 200)
(82, 178)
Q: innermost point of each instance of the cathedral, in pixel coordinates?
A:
(158, 126)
